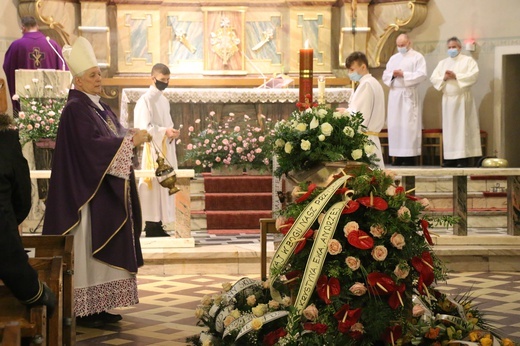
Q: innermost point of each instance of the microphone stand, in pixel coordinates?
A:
(58, 54)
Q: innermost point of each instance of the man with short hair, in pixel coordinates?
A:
(152, 112)
(33, 51)
(404, 72)
(455, 76)
(368, 99)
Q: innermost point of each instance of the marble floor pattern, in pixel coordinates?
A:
(165, 314)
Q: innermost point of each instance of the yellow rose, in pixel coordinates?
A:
(257, 323)
(507, 342)
(288, 148)
(356, 154)
(326, 129)
(305, 145)
(486, 341)
(301, 127)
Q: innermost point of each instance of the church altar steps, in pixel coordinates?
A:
(235, 204)
(238, 201)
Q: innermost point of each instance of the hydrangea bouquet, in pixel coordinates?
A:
(319, 134)
(355, 268)
(215, 146)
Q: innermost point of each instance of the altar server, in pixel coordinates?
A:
(32, 51)
(152, 112)
(403, 74)
(368, 99)
(455, 76)
(93, 195)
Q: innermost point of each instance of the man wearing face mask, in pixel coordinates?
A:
(455, 76)
(404, 71)
(152, 112)
(368, 99)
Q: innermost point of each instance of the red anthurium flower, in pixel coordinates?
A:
(287, 226)
(341, 191)
(424, 265)
(351, 207)
(392, 334)
(380, 283)
(413, 197)
(399, 190)
(273, 337)
(360, 239)
(396, 298)
(377, 203)
(307, 194)
(426, 233)
(319, 328)
(303, 241)
(327, 288)
(347, 318)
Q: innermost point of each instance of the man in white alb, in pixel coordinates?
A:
(152, 112)
(455, 76)
(368, 99)
(403, 74)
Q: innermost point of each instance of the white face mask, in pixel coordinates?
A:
(402, 50)
(453, 52)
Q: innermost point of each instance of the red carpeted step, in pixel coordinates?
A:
(238, 219)
(238, 201)
(239, 183)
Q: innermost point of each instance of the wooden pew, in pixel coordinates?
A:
(12, 334)
(59, 245)
(50, 271)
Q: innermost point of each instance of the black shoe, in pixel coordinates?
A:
(110, 318)
(461, 163)
(449, 163)
(48, 298)
(409, 161)
(90, 321)
(154, 229)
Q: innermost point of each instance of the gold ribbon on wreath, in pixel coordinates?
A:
(301, 225)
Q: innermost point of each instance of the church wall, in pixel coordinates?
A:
(490, 24)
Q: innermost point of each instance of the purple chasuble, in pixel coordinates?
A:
(31, 52)
(85, 148)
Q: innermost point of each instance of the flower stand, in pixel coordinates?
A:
(43, 153)
(229, 170)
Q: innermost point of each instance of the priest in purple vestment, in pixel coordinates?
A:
(93, 195)
(33, 51)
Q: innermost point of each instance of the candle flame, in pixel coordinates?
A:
(306, 45)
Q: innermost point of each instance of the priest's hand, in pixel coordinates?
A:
(172, 133)
(140, 137)
(398, 73)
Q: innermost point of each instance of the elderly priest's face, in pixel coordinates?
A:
(89, 81)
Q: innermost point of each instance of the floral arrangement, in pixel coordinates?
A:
(355, 268)
(318, 134)
(216, 146)
(40, 114)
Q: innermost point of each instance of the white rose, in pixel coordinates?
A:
(390, 191)
(314, 123)
(286, 301)
(305, 145)
(348, 131)
(337, 115)
(199, 312)
(279, 142)
(226, 286)
(353, 263)
(288, 148)
(322, 113)
(259, 310)
(301, 127)
(370, 149)
(326, 129)
(356, 154)
(321, 137)
(379, 253)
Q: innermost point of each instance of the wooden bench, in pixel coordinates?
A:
(59, 245)
(33, 322)
(12, 334)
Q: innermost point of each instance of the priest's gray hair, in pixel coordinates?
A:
(454, 39)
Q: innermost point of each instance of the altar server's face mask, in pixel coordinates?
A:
(354, 75)
(161, 85)
(453, 49)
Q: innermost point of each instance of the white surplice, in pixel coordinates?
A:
(369, 99)
(152, 112)
(460, 125)
(404, 108)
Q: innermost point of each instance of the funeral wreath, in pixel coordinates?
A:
(354, 268)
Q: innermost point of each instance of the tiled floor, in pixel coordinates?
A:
(165, 315)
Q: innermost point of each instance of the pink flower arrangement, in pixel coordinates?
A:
(224, 145)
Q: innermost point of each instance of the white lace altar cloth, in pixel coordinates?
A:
(231, 95)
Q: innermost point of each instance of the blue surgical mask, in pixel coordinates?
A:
(402, 50)
(354, 76)
(453, 52)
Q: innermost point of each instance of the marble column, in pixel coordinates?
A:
(460, 206)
